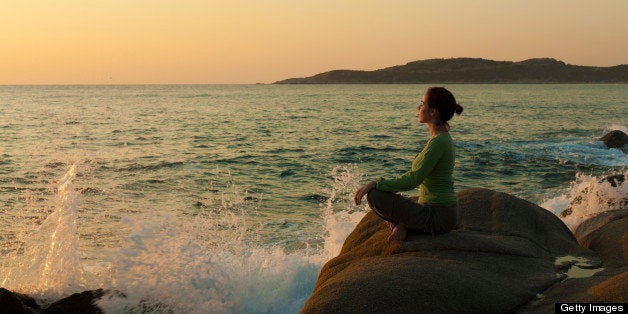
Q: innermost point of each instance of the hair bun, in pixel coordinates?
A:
(459, 109)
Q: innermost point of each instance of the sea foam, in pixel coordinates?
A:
(181, 263)
(208, 264)
(586, 197)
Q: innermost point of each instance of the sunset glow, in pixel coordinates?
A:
(207, 42)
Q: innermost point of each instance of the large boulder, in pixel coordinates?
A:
(615, 139)
(502, 255)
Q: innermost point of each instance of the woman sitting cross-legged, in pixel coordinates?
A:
(436, 210)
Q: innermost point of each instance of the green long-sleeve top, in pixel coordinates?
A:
(432, 171)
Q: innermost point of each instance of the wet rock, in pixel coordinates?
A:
(499, 258)
(16, 303)
(615, 139)
(606, 235)
(614, 180)
(77, 303)
(609, 240)
(593, 224)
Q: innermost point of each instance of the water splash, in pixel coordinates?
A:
(340, 214)
(211, 263)
(167, 262)
(619, 127)
(586, 197)
(46, 265)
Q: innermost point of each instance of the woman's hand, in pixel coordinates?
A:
(363, 190)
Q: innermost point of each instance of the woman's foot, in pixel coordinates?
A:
(398, 234)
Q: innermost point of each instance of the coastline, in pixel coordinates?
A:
(596, 252)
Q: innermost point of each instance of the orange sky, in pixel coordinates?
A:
(238, 41)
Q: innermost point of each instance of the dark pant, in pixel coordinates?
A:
(397, 209)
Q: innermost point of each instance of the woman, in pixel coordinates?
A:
(437, 208)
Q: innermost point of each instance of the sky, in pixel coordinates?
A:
(263, 41)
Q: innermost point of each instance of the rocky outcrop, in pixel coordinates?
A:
(16, 303)
(606, 234)
(615, 139)
(503, 254)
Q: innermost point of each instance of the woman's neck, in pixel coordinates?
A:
(437, 129)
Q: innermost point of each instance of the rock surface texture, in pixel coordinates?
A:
(505, 253)
(606, 234)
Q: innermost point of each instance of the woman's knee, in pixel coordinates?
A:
(380, 203)
(378, 199)
(369, 195)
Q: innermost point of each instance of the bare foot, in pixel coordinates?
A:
(398, 234)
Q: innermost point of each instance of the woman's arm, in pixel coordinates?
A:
(422, 166)
(363, 190)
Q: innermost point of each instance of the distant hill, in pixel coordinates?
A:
(473, 70)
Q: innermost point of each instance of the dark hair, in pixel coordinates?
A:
(443, 100)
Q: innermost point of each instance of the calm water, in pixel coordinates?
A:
(236, 195)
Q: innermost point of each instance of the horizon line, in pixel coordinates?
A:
(304, 84)
(343, 69)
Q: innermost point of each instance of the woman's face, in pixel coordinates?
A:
(426, 115)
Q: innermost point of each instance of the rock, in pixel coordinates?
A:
(16, 303)
(593, 224)
(610, 240)
(614, 180)
(607, 235)
(499, 258)
(614, 139)
(77, 303)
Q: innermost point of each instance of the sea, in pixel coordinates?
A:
(230, 198)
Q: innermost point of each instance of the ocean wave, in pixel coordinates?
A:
(380, 136)
(151, 167)
(352, 154)
(90, 191)
(244, 159)
(203, 95)
(314, 198)
(279, 151)
(588, 196)
(182, 263)
(577, 152)
(148, 95)
(287, 173)
(55, 164)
